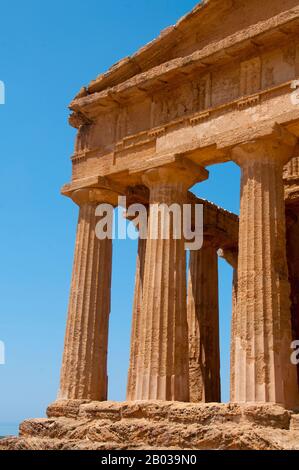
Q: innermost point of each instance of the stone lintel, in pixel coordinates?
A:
(206, 150)
(122, 181)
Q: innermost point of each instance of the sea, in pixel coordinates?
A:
(8, 429)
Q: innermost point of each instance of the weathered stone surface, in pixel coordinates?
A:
(160, 425)
(67, 408)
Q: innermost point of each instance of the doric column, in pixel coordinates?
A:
(162, 370)
(84, 366)
(263, 371)
(203, 325)
(136, 321)
(231, 256)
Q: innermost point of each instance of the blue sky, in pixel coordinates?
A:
(48, 50)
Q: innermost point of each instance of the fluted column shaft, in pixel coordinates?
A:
(203, 325)
(136, 321)
(84, 366)
(162, 371)
(163, 363)
(262, 368)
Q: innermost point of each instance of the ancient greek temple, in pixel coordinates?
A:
(205, 91)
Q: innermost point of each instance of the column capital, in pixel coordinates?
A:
(184, 173)
(95, 196)
(278, 148)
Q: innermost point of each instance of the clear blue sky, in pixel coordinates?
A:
(48, 50)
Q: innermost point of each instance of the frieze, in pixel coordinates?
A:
(190, 96)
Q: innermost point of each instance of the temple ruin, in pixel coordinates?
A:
(195, 97)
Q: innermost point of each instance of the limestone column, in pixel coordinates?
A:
(136, 321)
(84, 366)
(203, 325)
(262, 368)
(162, 370)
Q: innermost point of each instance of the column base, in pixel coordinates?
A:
(86, 425)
